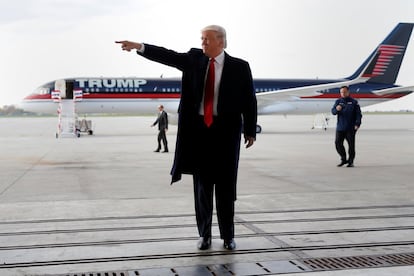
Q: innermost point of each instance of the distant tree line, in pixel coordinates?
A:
(11, 110)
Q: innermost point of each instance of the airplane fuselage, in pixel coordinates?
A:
(143, 95)
(373, 82)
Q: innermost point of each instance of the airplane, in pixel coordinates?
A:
(373, 82)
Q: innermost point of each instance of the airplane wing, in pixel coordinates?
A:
(312, 90)
(279, 101)
(394, 90)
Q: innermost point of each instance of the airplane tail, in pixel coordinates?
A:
(384, 63)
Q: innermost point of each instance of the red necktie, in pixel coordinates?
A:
(209, 95)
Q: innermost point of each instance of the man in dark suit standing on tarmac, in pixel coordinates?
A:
(217, 102)
(162, 121)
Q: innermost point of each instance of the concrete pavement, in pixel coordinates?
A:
(103, 202)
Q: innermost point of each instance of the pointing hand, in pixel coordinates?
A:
(129, 45)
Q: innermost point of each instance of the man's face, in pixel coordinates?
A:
(344, 92)
(211, 44)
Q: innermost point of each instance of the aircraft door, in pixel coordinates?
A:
(69, 89)
(60, 85)
(65, 87)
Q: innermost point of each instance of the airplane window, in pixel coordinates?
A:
(42, 91)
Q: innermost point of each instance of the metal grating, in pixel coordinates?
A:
(338, 263)
(268, 267)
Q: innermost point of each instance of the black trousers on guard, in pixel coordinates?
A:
(349, 136)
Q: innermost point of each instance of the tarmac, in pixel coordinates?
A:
(102, 204)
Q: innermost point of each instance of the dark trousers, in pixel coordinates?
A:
(162, 137)
(203, 196)
(349, 136)
(209, 180)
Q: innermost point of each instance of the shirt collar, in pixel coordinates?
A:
(220, 58)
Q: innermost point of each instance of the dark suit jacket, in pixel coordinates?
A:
(162, 121)
(350, 115)
(236, 108)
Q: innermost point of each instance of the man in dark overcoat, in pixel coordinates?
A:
(210, 151)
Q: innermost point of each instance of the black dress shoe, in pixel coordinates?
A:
(229, 244)
(157, 150)
(165, 151)
(343, 162)
(350, 165)
(204, 243)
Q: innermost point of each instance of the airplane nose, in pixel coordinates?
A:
(20, 105)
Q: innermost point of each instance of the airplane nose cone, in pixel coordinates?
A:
(20, 105)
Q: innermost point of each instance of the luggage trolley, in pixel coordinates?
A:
(83, 126)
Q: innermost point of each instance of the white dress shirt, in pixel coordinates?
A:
(218, 69)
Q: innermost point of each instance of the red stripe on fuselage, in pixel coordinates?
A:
(38, 97)
(177, 96)
(113, 96)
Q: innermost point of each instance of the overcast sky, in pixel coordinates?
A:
(45, 40)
